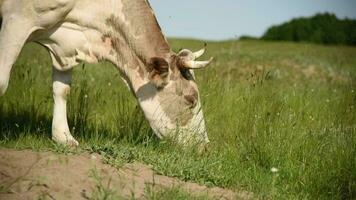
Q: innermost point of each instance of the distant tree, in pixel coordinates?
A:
(247, 37)
(323, 28)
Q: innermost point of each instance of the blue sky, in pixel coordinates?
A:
(225, 19)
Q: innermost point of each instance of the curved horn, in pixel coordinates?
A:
(197, 64)
(199, 53)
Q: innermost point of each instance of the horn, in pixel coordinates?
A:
(199, 53)
(197, 64)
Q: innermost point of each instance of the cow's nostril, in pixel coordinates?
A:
(191, 100)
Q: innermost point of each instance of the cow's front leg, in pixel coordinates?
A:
(13, 35)
(61, 89)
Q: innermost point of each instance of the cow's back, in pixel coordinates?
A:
(105, 30)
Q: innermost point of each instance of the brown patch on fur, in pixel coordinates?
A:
(115, 23)
(106, 39)
(191, 98)
(143, 22)
(124, 54)
(175, 75)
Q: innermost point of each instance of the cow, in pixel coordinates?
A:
(123, 32)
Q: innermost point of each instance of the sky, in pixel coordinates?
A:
(228, 19)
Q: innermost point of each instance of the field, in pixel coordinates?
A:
(281, 118)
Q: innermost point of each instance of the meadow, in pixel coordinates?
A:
(280, 116)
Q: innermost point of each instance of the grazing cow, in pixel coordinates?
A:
(124, 32)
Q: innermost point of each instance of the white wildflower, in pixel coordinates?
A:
(274, 170)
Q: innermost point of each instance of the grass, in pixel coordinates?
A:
(171, 193)
(267, 105)
(102, 190)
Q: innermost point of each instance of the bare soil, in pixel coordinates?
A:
(46, 175)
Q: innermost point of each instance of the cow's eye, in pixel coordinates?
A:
(186, 74)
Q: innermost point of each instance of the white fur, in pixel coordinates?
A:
(11, 43)
(61, 89)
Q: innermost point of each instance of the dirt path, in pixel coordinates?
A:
(34, 175)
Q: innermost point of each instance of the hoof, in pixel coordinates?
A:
(72, 143)
(66, 140)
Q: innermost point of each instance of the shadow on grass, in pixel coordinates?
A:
(14, 125)
(131, 129)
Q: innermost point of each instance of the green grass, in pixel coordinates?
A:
(171, 193)
(282, 105)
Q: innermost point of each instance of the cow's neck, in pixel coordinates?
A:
(136, 37)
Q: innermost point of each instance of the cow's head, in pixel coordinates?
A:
(171, 100)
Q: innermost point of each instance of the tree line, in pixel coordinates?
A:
(322, 28)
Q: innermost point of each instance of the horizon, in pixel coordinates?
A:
(214, 20)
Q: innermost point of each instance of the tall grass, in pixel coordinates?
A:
(284, 106)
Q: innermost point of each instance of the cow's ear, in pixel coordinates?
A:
(158, 69)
